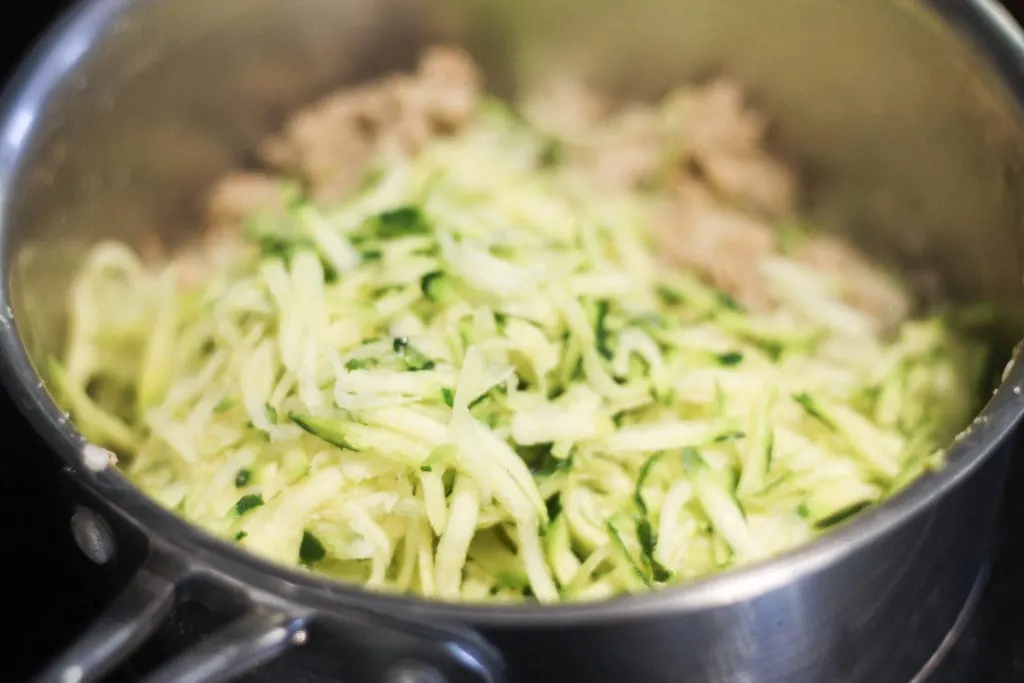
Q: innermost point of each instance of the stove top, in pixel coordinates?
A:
(51, 591)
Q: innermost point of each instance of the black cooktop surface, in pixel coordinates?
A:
(49, 591)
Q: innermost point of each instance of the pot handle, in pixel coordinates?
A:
(247, 643)
(253, 639)
(125, 625)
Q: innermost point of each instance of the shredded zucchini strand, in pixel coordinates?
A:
(474, 380)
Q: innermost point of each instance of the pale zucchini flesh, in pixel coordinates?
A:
(475, 381)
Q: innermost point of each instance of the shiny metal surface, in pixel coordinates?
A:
(911, 141)
(126, 624)
(240, 648)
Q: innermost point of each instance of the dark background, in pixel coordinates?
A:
(49, 591)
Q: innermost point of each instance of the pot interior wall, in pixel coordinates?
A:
(907, 140)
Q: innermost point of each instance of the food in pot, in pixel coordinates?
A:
(440, 347)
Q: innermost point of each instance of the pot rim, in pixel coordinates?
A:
(53, 59)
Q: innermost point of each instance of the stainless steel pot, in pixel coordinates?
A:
(904, 115)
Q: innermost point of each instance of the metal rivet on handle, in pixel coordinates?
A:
(93, 536)
(413, 672)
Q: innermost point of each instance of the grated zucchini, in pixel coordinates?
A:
(474, 380)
